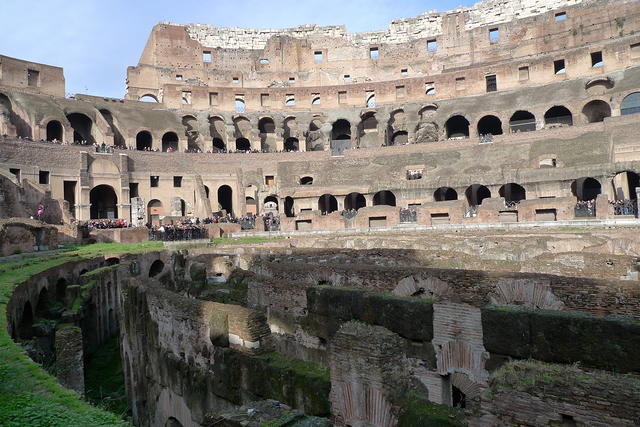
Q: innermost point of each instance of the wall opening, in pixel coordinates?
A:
(489, 125)
(354, 201)
(170, 142)
(225, 199)
(54, 131)
(144, 141)
(512, 193)
(443, 194)
(585, 189)
(104, 202)
(476, 193)
(82, 126)
(457, 127)
(156, 268)
(522, 121)
(288, 207)
(630, 104)
(384, 197)
(291, 144)
(558, 116)
(327, 204)
(243, 144)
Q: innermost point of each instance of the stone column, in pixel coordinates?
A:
(70, 358)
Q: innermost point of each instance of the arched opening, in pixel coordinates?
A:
(384, 197)
(458, 398)
(266, 125)
(251, 205)
(476, 193)
(457, 127)
(243, 144)
(156, 268)
(558, 116)
(54, 131)
(512, 193)
(369, 122)
(225, 198)
(327, 204)
(183, 208)
(81, 125)
(315, 136)
(61, 289)
(240, 106)
(371, 101)
(148, 98)
(522, 121)
(169, 142)
(341, 130)
(490, 125)
(354, 201)
(112, 261)
(586, 189)
(143, 140)
(206, 191)
(154, 211)
(42, 307)
(306, 180)
(624, 185)
(288, 206)
(596, 111)
(270, 204)
(25, 328)
(104, 202)
(218, 145)
(401, 137)
(630, 104)
(118, 139)
(445, 193)
(291, 144)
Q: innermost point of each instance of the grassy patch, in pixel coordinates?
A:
(104, 378)
(418, 412)
(28, 395)
(216, 241)
(308, 369)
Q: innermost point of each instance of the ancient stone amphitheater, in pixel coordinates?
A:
(431, 225)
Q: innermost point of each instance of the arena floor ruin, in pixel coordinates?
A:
(434, 224)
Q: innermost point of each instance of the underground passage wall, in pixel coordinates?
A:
(354, 337)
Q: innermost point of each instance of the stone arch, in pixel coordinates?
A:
(476, 193)
(55, 131)
(154, 211)
(596, 111)
(384, 197)
(218, 144)
(585, 189)
(512, 192)
(458, 355)
(217, 128)
(445, 193)
(401, 137)
(82, 127)
(558, 115)
(423, 287)
(327, 203)
(427, 111)
(42, 306)
(144, 140)
(371, 101)
(522, 121)
(354, 201)
(104, 202)
(457, 127)
(118, 139)
(469, 388)
(170, 141)
(306, 180)
(341, 130)
(489, 125)
(61, 288)
(266, 125)
(156, 268)
(190, 124)
(148, 97)
(271, 204)
(173, 422)
(240, 105)
(630, 104)
(368, 130)
(529, 293)
(315, 137)
(225, 198)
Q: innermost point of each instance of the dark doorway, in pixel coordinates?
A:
(243, 144)
(327, 204)
(218, 145)
(143, 140)
(54, 130)
(354, 201)
(457, 127)
(512, 193)
(81, 125)
(586, 189)
(291, 144)
(341, 130)
(476, 193)
(288, 207)
(104, 202)
(489, 125)
(445, 193)
(596, 111)
(522, 121)
(384, 197)
(225, 198)
(558, 116)
(169, 142)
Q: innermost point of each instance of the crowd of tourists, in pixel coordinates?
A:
(101, 224)
(624, 207)
(408, 215)
(585, 208)
(184, 230)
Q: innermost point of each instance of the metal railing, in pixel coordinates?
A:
(625, 207)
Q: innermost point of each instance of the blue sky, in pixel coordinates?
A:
(95, 41)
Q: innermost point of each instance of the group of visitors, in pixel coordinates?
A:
(408, 215)
(349, 213)
(101, 224)
(185, 230)
(585, 208)
(624, 207)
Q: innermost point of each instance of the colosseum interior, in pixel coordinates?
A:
(431, 225)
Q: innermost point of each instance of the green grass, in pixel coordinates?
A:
(216, 241)
(104, 378)
(29, 396)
